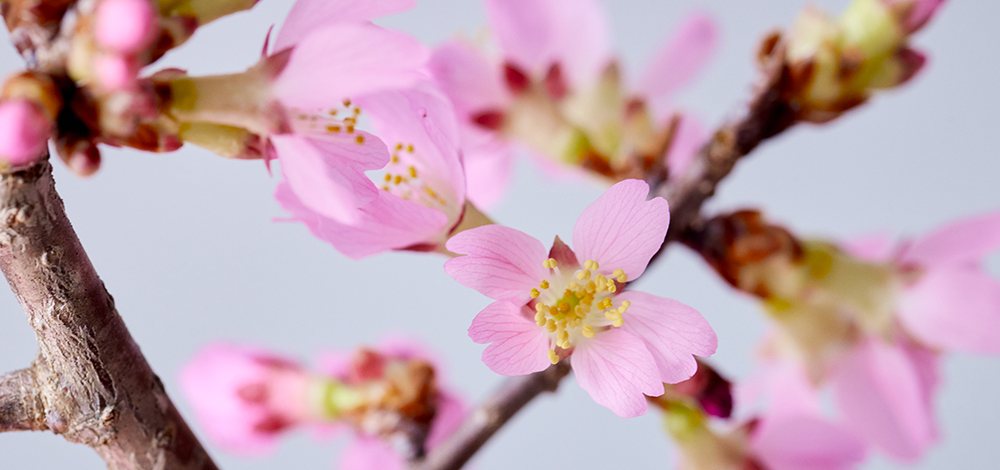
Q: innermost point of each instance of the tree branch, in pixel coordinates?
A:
(21, 406)
(766, 115)
(95, 386)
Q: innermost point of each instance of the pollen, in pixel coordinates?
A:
(347, 103)
(587, 331)
(409, 148)
(413, 171)
(583, 275)
(387, 178)
(360, 139)
(350, 129)
(544, 285)
(619, 274)
(395, 159)
(553, 357)
(549, 263)
(535, 293)
(333, 129)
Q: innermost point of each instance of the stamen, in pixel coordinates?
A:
(549, 263)
(535, 293)
(619, 274)
(583, 275)
(332, 129)
(360, 139)
(413, 171)
(587, 332)
(553, 357)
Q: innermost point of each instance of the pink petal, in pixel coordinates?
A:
(502, 263)
(23, 132)
(489, 164)
(954, 307)
(422, 116)
(671, 331)
(963, 242)
(387, 223)
(470, 80)
(370, 453)
(582, 39)
(875, 248)
(518, 346)
(880, 393)
(805, 442)
(688, 140)
(309, 15)
(616, 370)
(923, 11)
(324, 175)
(334, 63)
(621, 229)
(334, 364)
(451, 411)
(679, 61)
(524, 29)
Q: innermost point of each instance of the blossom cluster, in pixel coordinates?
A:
(382, 144)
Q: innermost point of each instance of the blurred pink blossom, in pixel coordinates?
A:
(24, 131)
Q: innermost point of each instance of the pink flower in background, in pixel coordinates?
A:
(423, 186)
(123, 29)
(24, 131)
(624, 345)
(921, 12)
(551, 83)
(245, 397)
(366, 450)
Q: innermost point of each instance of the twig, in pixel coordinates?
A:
(490, 416)
(20, 403)
(94, 385)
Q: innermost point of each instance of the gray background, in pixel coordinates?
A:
(185, 242)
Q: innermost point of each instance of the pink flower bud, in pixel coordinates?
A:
(125, 26)
(116, 72)
(23, 132)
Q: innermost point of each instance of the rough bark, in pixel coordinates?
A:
(93, 383)
(21, 406)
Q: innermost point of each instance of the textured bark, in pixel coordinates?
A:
(21, 406)
(93, 383)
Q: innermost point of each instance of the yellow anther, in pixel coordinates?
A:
(357, 111)
(333, 129)
(588, 332)
(347, 103)
(385, 188)
(563, 307)
(350, 129)
(591, 287)
(612, 287)
(360, 139)
(618, 321)
(549, 263)
(550, 325)
(620, 275)
(388, 177)
(578, 310)
(394, 159)
(572, 285)
(539, 306)
(583, 275)
(399, 146)
(544, 284)
(540, 319)
(409, 148)
(625, 305)
(535, 293)
(593, 266)
(333, 112)
(553, 357)
(430, 192)
(397, 180)
(413, 172)
(563, 335)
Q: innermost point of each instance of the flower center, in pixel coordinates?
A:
(334, 123)
(571, 306)
(403, 178)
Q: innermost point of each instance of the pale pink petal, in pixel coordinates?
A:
(524, 29)
(679, 61)
(387, 223)
(501, 263)
(874, 248)
(470, 80)
(23, 132)
(344, 61)
(672, 332)
(621, 229)
(309, 15)
(954, 307)
(334, 364)
(323, 176)
(424, 118)
(879, 392)
(806, 442)
(582, 45)
(963, 242)
(489, 165)
(451, 410)
(617, 370)
(923, 11)
(927, 365)
(125, 26)
(370, 453)
(688, 140)
(518, 346)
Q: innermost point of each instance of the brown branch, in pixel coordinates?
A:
(21, 407)
(94, 384)
(490, 416)
(766, 115)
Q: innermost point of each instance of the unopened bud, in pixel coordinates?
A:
(125, 26)
(24, 132)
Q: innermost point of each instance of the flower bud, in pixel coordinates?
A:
(24, 131)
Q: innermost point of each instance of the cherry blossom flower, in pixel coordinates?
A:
(422, 196)
(245, 397)
(561, 94)
(300, 99)
(624, 344)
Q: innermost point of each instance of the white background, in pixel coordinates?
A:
(186, 244)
